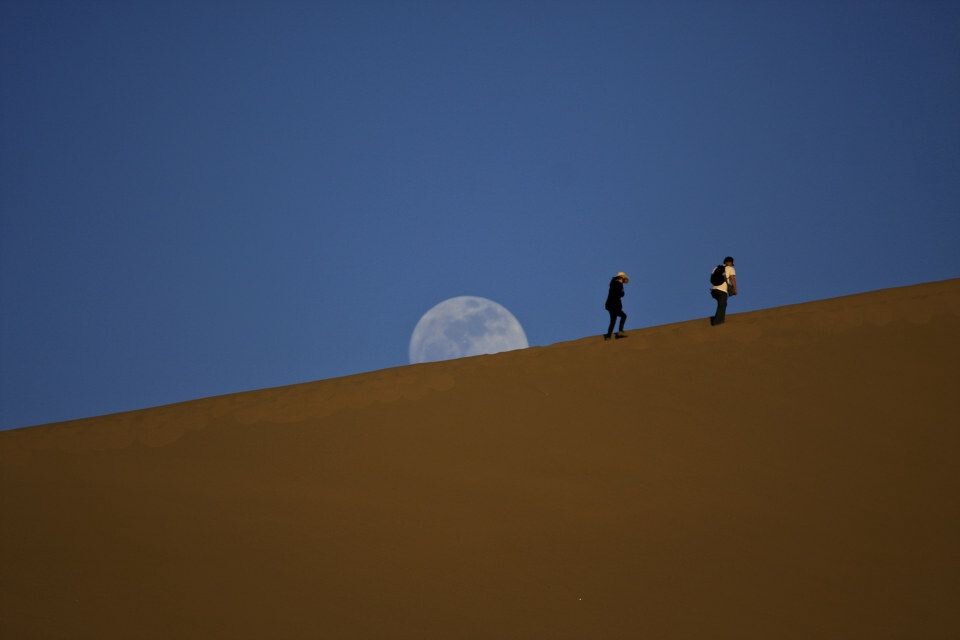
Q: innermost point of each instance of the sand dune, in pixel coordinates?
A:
(792, 474)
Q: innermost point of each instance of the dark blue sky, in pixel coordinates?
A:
(199, 198)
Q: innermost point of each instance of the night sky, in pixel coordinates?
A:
(199, 198)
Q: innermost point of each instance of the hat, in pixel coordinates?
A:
(624, 276)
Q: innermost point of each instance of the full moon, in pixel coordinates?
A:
(465, 326)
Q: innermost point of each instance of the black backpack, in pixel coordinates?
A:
(719, 276)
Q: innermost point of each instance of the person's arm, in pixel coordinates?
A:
(733, 285)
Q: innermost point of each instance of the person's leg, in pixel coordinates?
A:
(721, 299)
(623, 318)
(613, 320)
(721, 307)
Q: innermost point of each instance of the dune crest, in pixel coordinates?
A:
(791, 474)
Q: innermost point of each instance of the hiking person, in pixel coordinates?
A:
(723, 283)
(614, 305)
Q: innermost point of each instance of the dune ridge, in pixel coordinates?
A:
(790, 474)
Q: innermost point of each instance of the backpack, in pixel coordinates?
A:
(719, 275)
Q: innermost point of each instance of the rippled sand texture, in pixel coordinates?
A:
(791, 474)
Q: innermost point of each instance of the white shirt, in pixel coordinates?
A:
(728, 271)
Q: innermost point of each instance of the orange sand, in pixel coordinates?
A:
(791, 474)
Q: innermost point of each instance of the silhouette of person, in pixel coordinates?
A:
(614, 305)
(727, 286)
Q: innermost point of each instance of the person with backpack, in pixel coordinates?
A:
(723, 283)
(614, 305)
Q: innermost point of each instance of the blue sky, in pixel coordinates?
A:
(199, 198)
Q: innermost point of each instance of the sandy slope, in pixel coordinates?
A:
(792, 474)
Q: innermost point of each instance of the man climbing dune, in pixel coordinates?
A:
(723, 283)
(614, 305)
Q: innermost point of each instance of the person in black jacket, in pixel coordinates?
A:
(614, 305)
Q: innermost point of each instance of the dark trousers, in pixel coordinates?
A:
(614, 314)
(721, 314)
